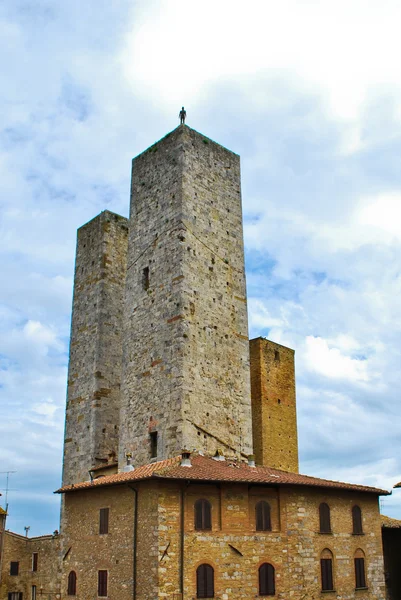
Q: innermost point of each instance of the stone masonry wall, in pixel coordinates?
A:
(46, 578)
(233, 547)
(93, 395)
(274, 416)
(186, 356)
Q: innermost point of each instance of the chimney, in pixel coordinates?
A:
(186, 458)
(218, 455)
(128, 467)
(251, 461)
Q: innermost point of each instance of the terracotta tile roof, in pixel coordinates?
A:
(389, 523)
(207, 469)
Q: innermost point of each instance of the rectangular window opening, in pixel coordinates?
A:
(33, 594)
(153, 444)
(103, 521)
(145, 278)
(102, 583)
(35, 561)
(14, 568)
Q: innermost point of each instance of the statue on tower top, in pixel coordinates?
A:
(182, 115)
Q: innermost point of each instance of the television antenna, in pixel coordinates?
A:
(7, 473)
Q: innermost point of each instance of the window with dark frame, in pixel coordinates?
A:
(153, 444)
(356, 520)
(102, 583)
(203, 515)
(324, 518)
(267, 585)
(205, 581)
(263, 521)
(360, 579)
(14, 595)
(35, 561)
(33, 592)
(103, 521)
(72, 583)
(14, 568)
(326, 570)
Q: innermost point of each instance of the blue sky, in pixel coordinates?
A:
(309, 94)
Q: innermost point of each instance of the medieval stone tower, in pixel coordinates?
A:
(186, 357)
(159, 356)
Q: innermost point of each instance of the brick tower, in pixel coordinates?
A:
(186, 376)
(274, 415)
(94, 373)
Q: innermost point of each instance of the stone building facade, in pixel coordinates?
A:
(167, 400)
(31, 567)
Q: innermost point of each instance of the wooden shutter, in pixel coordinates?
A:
(360, 581)
(104, 521)
(324, 517)
(203, 515)
(263, 522)
(326, 568)
(356, 520)
(35, 561)
(102, 583)
(205, 581)
(72, 583)
(266, 580)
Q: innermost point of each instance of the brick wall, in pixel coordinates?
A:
(274, 417)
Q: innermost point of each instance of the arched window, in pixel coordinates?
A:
(326, 570)
(359, 562)
(266, 580)
(72, 583)
(203, 515)
(324, 518)
(205, 581)
(263, 522)
(356, 520)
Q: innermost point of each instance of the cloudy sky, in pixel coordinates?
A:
(309, 94)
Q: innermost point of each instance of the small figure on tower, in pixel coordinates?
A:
(182, 115)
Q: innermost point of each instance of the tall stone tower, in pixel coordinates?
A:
(274, 415)
(94, 375)
(186, 376)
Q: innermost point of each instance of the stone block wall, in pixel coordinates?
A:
(168, 549)
(46, 579)
(186, 355)
(274, 416)
(94, 376)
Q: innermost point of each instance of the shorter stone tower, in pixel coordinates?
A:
(94, 374)
(274, 415)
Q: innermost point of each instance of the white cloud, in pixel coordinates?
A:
(330, 362)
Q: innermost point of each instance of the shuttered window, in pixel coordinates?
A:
(104, 520)
(102, 583)
(35, 561)
(72, 584)
(14, 595)
(324, 518)
(33, 592)
(356, 520)
(205, 581)
(326, 569)
(266, 580)
(263, 522)
(14, 568)
(203, 515)
(360, 580)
